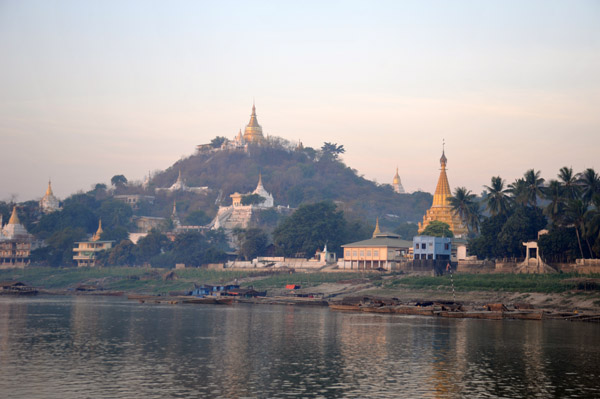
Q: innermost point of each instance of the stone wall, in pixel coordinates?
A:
(475, 266)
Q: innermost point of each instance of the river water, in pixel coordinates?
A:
(103, 347)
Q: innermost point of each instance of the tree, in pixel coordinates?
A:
(252, 242)
(407, 231)
(533, 186)
(310, 227)
(151, 245)
(115, 233)
(486, 245)
(332, 150)
(217, 141)
(197, 218)
(118, 181)
(518, 192)
(575, 216)
(554, 194)
(589, 181)
(497, 200)
(522, 226)
(463, 204)
(123, 254)
(437, 228)
(569, 183)
(252, 199)
(114, 213)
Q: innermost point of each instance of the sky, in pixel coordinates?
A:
(91, 89)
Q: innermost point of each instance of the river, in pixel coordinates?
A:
(100, 347)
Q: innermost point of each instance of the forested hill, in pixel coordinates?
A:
(294, 177)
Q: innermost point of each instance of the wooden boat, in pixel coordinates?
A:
(525, 315)
(16, 288)
(414, 310)
(209, 300)
(340, 306)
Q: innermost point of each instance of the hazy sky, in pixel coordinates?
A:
(90, 89)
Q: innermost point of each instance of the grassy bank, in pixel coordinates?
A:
(543, 283)
(152, 280)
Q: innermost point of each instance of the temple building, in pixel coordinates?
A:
(441, 209)
(397, 184)
(86, 251)
(238, 214)
(253, 133)
(49, 203)
(383, 250)
(15, 242)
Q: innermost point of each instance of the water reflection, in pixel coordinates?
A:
(75, 347)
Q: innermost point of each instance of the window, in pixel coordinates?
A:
(368, 252)
(376, 252)
(446, 246)
(354, 253)
(347, 253)
(424, 245)
(362, 253)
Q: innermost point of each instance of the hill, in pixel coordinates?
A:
(293, 177)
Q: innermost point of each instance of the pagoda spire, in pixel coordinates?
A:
(49, 189)
(442, 190)
(99, 232)
(14, 218)
(377, 231)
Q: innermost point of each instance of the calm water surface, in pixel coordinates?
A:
(98, 347)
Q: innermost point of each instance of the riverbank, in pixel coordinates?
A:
(556, 292)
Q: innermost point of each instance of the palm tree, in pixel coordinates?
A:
(497, 200)
(554, 193)
(533, 186)
(463, 204)
(518, 192)
(575, 216)
(589, 182)
(592, 217)
(569, 182)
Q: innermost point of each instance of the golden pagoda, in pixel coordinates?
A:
(253, 132)
(397, 184)
(441, 209)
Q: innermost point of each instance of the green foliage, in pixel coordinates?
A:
(252, 242)
(116, 234)
(59, 249)
(73, 215)
(114, 213)
(437, 229)
(559, 245)
(522, 226)
(217, 141)
(309, 228)
(407, 231)
(123, 254)
(197, 218)
(118, 181)
(195, 249)
(545, 283)
(252, 199)
(331, 151)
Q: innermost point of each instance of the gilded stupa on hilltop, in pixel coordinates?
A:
(441, 209)
(253, 132)
(397, 184)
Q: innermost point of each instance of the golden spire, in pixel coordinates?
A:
(99, 232)
(14, 218)
(49, 190)
(377, 230)
(396, 177)
(442, 190)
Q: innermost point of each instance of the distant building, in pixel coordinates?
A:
(16, 243)
(397, 184)
(135, 199)
(86, 251)
(440, 209)
(239, 215)
(434, 248)
(49, 203)
(383, 250)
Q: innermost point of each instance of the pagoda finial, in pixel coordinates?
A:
(443, 159)
(377, 230)
(49, 190)
(14, 218)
